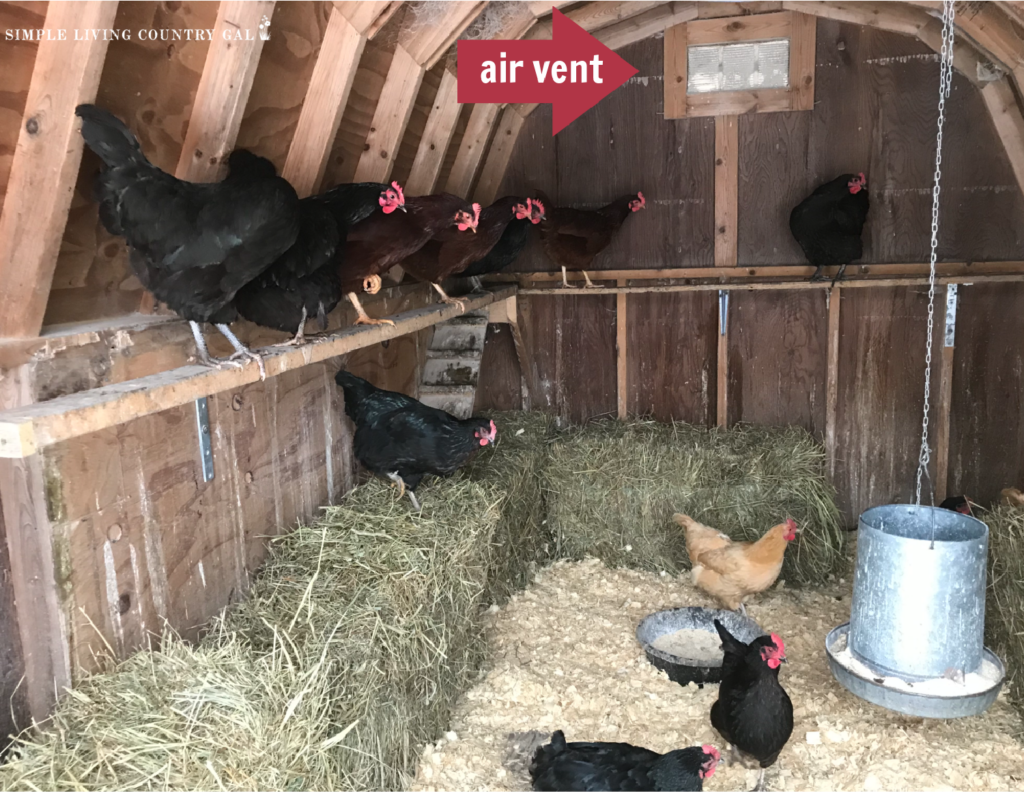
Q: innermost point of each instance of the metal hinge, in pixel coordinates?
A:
(723, 311)
(205, 443)
(951, 299)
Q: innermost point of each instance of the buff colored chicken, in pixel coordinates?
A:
(1012, 497)
(731, 571)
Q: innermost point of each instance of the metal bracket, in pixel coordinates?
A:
(723, 311)
(205, 443)
(951, 300)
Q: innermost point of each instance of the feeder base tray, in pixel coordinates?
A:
(923, 705)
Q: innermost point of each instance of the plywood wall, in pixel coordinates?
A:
(874, 112)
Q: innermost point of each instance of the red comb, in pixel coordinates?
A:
(476, 214)
(398, 189)
(537, 202)
(643, 201)
(710, 750)
(778, 643)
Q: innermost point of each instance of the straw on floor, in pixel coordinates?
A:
(612, 488)
(1004, 610)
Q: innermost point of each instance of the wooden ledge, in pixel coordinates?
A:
(26, 430)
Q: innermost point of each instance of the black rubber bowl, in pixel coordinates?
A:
(685, 670)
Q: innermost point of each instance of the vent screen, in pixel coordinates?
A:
(746, 66)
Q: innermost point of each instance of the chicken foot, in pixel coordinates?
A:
(839, 276)
(412, 495)
(300, 334)
(241, 350)
(761, 786)
(363, 318)
(588, 285)
(372, 284)
(203, 354)
(459, 301)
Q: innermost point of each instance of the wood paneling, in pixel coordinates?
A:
(987, 411)
(671, 364)
(14, 715)
(500, 389)
(777, 354)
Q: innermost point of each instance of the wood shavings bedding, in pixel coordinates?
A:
(564, 656)
(699, 645)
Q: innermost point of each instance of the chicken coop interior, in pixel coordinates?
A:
(738, 349)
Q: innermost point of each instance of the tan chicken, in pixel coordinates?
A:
(1012, 497)
(731, 571)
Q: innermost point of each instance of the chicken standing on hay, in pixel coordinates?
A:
(403, 439)
(592, 766)
(192, 245)
(753, 713)
(731, 571)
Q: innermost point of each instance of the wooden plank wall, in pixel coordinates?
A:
(874, 112)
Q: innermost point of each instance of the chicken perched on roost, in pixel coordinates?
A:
(379, 242)
(731, 571)
(573, 237)
(305, 281)
(403, 439)
(753, 713)
(451, 251)
(508, 248)
(828, 223)
(587, 766)
(194, 246)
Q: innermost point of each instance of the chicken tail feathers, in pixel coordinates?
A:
(730, 644)
(107, 135)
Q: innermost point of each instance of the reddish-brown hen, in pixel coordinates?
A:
(450, 251)
(381, 241)
(573, 237)
(731, 571)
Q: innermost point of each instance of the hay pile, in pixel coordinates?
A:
(515, 466)
(1004, 612)
(358, 637)
(612, 488)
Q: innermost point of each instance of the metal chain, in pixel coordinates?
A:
(945, 83)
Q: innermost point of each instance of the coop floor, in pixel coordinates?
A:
(564, 656)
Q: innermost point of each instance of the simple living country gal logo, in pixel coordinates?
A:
(230, 32)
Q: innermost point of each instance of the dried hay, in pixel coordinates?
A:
(358, 637)
(515, 466)
(612, 488)
(1004, 612)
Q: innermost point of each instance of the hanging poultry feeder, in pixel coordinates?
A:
(915, 639)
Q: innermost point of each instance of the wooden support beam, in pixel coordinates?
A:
(622, 378)
(437, 135)
(368, 16)
(832, 379)
(34, 579)
(541, 7)
(24, 431)
(498, 156)
(646, 25)
(221, 97)
(897, 17)
(716, 8)
(1009, 123)
(45, 164)
(947, 341)
(727, 176)
(471, 151)
(325, 102)
(390, 118)
(987, 26)
(427, 42)
(594, 16)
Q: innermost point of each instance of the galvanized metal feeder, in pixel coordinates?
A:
(915, 639)
(914, 642)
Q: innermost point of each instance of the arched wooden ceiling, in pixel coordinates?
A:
(458, 149)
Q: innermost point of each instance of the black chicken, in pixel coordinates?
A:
(305, 281)
(828, 223)
(402, 439)
(753, 713)
(192, 245)
(619, 766)
(958, 503)
(511, 244)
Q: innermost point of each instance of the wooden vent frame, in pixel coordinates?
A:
(800, 29)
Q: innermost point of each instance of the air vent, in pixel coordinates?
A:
(744, 66)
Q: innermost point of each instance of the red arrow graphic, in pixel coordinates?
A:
(573, 71)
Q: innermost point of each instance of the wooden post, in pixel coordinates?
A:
(620, 349)
(832, 379)
(727, 174)
(390, 118)
(471, 152)
(498, 156)
(221, 97)
(437, 134)
(324, 105)
(947, 335)
(34, 578)
(45, 165)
